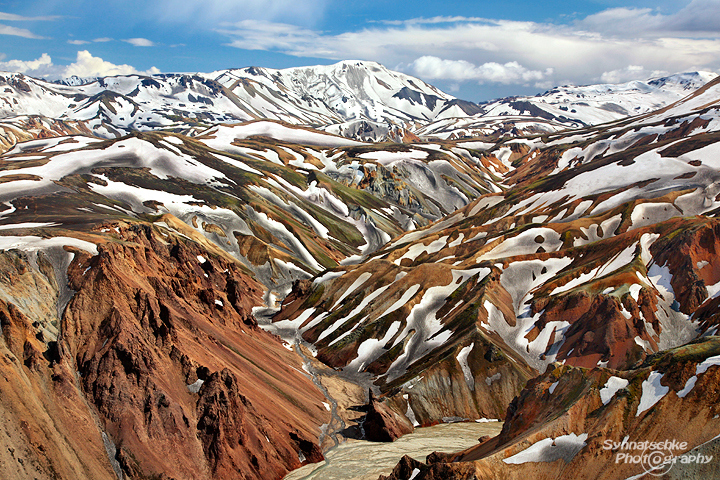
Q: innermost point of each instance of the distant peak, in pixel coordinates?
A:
(75, 81)
(685, 78)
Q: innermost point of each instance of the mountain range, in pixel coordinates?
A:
(226, 274)
(359, 100)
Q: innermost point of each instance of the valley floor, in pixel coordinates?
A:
(363, 460)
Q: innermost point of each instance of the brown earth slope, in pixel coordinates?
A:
(566, 423)
(159, 370)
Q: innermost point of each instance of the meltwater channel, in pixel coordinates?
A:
(363, 460)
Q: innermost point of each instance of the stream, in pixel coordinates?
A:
(351, 459)
(363, 460)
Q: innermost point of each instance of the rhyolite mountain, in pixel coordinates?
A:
(186, 295)
(359, 100)
(571, 421)
(600, 252)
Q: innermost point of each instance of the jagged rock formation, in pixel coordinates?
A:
(159, 362)
(382, 424)
(573, 419)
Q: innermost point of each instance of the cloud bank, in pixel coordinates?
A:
(491, 72)
(21, 32)
(85, 65)
(607, 46)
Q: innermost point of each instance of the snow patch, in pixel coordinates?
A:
(564, 447)
(32, 243)
(493, 378)
(700, 368)
(462, 360)
(652, 392)
(195, 387)
(611, 388)
(418, 249)
(359, 281)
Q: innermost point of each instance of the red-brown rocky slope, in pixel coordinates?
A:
(159, 369)
(570, 421)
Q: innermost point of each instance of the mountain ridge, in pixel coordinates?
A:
(358, 99)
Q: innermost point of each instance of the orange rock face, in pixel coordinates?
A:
(159, 370)
(382, 424)
(653, 403)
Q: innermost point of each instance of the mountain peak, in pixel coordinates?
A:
(685, 79)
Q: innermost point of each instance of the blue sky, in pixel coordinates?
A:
(476, 50)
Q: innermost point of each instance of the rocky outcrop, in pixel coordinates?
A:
(575, 420)
(235, 437)
(690, 256)
(599, 328)
(382, 424)
(174, 378)
(47, 429)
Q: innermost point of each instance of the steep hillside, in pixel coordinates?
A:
(600, 250)
(132, 349)
(581, 423)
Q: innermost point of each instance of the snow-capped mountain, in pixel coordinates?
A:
(567, 106)
(323, 97)
(595, 104)
(346, 91)
(360, 100)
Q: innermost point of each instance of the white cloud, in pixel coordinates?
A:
(18, 32)
(433, 20)
(700, 17)
(263, 35)
(630, 73)
(21, 32)
(88, 66)
(697, 19)
(41, 64)
(508, 51)
(77, 42)
(85, 65)
(140, 42)
(102, 39)
(460, 70)
(545, 85)
(11, 17)
(213, 12)
(617, 22)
